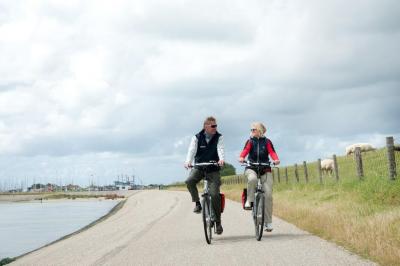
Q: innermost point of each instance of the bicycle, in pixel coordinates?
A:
(258, 210)
(208, 215)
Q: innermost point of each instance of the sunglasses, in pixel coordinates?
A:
(213, 126)
(253, 129)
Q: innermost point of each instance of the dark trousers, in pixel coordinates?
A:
(214, 182)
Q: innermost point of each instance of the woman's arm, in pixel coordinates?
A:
(271, 151)
(245, 151)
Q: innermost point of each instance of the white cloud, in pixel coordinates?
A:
(121, 86)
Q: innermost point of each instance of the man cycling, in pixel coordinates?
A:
(204, 147)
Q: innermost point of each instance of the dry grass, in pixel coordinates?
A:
(358, 227)
(343, 216)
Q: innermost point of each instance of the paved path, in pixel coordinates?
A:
(159, 228)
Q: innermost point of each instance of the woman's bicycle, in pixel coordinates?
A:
(258, 210)
(208, 213)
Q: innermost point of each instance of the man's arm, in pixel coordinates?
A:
(221, 151)
(191, 152)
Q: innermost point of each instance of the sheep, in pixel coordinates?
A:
(363, 147)
(327, 166)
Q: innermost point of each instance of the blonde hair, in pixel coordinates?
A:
(209, 119)
(260, 127)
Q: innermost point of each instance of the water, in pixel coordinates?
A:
(30, 225)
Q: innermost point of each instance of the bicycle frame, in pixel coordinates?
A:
(208, 215)
(259, 201)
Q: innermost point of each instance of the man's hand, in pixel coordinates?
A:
(241, 159)
(276, 162)
(187, 165)
(221, 163)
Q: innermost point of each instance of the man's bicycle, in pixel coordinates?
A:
(258, 210)
(208, 212)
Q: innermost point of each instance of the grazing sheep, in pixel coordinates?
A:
(327, 166)
(363, 147)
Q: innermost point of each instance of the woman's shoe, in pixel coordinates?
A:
(248, 205)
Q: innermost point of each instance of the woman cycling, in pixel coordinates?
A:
(259, 149)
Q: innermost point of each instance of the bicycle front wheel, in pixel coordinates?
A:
(207, 223)
(259, 215)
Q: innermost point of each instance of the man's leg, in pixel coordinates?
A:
(215, 183)
(194, 177)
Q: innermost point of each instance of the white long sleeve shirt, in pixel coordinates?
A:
(193, 149)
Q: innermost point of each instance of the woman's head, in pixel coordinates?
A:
(257, 129)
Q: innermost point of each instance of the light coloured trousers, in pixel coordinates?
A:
(267, 182)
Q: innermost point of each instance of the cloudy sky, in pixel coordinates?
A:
(90, 90)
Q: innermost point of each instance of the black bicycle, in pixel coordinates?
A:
(258, 210)
(208, 213)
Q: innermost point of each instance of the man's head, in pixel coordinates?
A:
(210, 125)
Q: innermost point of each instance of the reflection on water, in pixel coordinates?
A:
(30, 225)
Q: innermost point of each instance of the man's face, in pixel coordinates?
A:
(210, 127)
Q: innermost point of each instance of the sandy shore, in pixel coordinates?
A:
(37, 196)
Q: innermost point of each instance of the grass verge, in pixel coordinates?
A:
(362, 216)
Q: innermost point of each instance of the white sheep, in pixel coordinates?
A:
(327, 166)
(363, 147)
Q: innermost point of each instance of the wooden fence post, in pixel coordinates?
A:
(296, 173)
(305, 171)
(335, 167)
(319, 171)
(359, 165)
(391, 158)
(286, 176)
(279, 175)
(273, 174)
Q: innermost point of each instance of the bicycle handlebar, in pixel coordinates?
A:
(248, 163)
(205, 164)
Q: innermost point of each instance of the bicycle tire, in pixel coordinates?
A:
(259, 215)
(207, 219)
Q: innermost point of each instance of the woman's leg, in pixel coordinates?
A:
(267, 185)
(251, 176)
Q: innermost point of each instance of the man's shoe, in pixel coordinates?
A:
(197, 209)
(248, 205)
(219, 228)
(268, 227)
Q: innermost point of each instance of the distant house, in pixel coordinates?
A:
(127, 185)
(37, 188)
(71, 187)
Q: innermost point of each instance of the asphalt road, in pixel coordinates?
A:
(159, 228)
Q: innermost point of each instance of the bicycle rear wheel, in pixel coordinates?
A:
(259, 215)
(207, 219)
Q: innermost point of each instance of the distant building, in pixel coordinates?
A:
(37, 188)
(72, 187)
(127, 185)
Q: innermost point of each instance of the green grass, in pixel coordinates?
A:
(362, 215)
(6, 261)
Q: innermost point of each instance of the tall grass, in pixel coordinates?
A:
(361, 215)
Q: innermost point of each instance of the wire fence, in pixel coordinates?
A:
(382, 163)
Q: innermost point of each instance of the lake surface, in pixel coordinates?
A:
(30, 225)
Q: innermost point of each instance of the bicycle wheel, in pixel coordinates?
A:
(207, 219)
(259, 215)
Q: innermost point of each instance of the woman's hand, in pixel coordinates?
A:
(276, 162)
(241, 159)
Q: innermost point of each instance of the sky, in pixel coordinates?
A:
(94, 90)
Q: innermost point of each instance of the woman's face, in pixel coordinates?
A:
(255, 132)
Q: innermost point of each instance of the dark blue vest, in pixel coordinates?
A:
(259, 152)
(207, 151)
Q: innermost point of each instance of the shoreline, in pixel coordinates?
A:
(7, 198)
(100, 219)
(112, 211)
